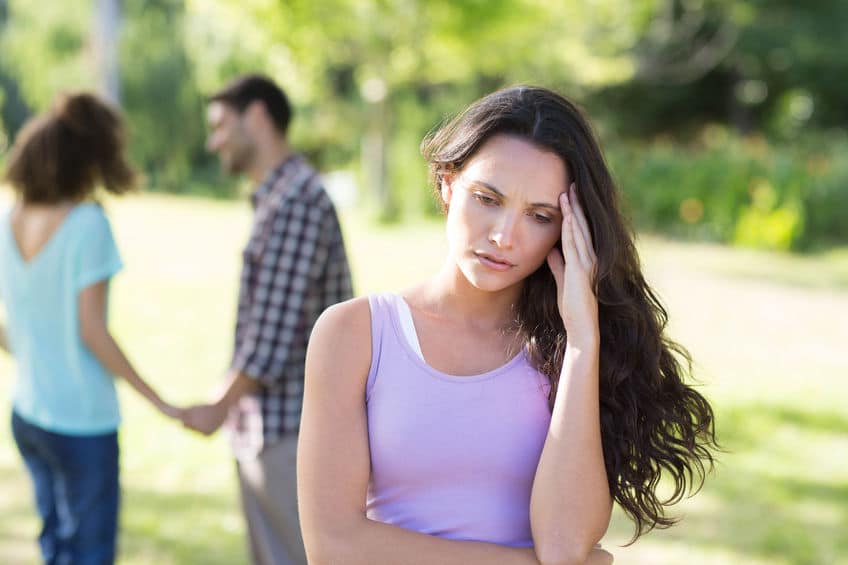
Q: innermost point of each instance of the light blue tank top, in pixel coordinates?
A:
(60, 385)
(451, 456)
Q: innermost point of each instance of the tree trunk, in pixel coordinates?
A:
(107, 20)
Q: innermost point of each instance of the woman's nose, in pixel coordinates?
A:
(503, 232)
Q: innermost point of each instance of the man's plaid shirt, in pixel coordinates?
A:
(294, 267)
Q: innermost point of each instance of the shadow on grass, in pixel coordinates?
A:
(797, 521)
(810, 277)
(826, 269)
(761, 504)
(156, 527)
(166, 527)
(18, 522)
(744, 427)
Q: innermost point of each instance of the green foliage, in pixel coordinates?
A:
(767, 66)
(368, 79)
(826, 196)
(3, 136)
(382, 74)
(43, 47)
(739, 190)
(778, 228)
(163, 106)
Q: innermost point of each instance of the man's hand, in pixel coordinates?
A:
(204, 418)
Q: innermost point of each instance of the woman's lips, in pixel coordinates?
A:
(494, 262)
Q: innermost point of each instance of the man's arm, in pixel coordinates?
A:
(273, 322)
(294, 254)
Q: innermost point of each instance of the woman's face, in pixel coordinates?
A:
(503, 211)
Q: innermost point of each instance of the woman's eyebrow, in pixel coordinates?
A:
(545, 205)
(487, 186)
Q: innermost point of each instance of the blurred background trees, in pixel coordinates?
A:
(723, 119)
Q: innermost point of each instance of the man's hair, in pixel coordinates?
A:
(242, 91)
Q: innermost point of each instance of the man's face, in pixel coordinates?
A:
(230, 138)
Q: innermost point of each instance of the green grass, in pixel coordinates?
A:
(768, 334)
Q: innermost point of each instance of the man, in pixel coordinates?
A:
(294, 266)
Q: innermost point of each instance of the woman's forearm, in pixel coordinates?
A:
(366, 542)
(370, 542)
(96, 336)
(570, 504)
(104, 347)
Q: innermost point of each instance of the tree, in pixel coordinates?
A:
(372, 76)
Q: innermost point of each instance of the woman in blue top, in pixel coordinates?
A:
(57, 255)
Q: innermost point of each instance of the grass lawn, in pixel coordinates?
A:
(768, 334)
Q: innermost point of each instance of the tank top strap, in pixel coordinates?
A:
(382, 309)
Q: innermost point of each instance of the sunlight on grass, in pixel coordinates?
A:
(767, 333)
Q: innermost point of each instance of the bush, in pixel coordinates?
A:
(739, 190)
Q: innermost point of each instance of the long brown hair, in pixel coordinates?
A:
(66, 152)
(652, 423)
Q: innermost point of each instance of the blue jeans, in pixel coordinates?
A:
(76, 492)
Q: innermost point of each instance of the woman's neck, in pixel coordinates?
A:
(59, 206)
(449, 294)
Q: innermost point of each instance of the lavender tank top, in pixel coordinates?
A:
(451, 456)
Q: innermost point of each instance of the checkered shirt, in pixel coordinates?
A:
(294, 267)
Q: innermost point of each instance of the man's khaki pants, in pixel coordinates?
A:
(268, 485)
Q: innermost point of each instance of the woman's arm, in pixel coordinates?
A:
(570, 505)
(95, 335)
(333, 461)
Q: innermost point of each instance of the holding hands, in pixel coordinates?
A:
(204, 418)
(207, 418)
(574, 271)
(169, 410)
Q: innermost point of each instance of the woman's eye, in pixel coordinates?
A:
(542, 219)
(484, 198)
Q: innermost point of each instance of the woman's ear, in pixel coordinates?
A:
(447, 188)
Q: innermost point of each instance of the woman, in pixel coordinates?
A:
(493, 413)
(57, 256)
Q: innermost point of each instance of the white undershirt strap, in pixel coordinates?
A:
(407, 325)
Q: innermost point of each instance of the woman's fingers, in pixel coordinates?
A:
(575, 232)
(569, 249)
(581, 221)
(557, 266)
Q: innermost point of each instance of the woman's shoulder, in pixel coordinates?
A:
(345, 323)
(90, 217)
(341, 337)
(354, 311)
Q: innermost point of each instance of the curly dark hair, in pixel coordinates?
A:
(652, 423)
(65, 153)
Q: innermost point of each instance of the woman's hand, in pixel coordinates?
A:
(169, 410)
(599, 557)
(575, 272)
